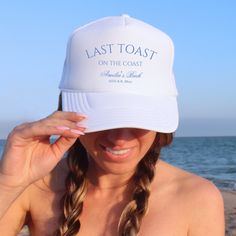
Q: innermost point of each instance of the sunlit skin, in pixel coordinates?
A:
(32, 183)
(106, 170)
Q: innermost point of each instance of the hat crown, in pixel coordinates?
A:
(119, 72)
(119, 54)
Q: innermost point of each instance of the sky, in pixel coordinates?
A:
(33, 42)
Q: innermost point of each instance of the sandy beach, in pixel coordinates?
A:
(230, 214)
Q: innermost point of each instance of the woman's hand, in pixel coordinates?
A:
(29, 155)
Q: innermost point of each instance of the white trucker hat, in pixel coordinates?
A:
(118, 71)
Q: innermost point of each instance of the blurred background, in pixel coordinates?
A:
(33, 41)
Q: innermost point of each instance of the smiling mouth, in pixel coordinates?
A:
(116, 152)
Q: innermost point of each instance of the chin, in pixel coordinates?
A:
(118, 169)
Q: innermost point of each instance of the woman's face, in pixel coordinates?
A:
(118, 151)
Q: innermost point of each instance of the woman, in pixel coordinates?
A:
(118, 102)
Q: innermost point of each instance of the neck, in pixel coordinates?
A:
(102, 182)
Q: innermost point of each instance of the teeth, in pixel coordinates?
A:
(117, 152)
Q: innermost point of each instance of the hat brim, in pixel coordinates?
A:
(115, 110)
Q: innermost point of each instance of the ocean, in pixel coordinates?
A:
(211, 157)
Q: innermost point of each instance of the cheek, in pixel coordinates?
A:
(147, 141)
(87, 142)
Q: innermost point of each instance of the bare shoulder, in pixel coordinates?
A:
(32, 200)
(199, 198)
(186, 182)
(15, 216)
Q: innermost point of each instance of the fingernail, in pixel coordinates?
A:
(80, 114)
(62, 127)
(78, 124)
(77, 131)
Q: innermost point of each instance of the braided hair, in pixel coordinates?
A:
(131, 218)
(76, 187)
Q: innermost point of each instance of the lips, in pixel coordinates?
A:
(116, 154)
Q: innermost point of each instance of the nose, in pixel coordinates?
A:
(118, 137)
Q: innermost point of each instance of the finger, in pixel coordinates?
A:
(72, 116)
(62, 145)
(31, 130)
(67, 132)
(60, 123)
